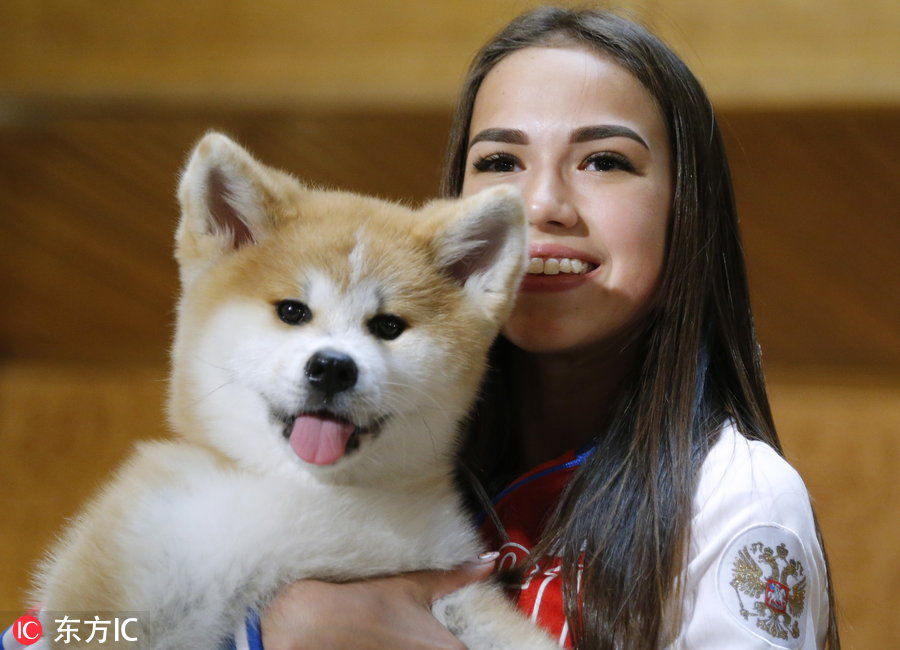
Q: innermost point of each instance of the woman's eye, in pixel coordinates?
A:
(387, 326)
(293, 312)
(607, 161)
(498, 162)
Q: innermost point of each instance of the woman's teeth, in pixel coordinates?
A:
(555, 266)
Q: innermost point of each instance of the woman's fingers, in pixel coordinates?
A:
(391, 612)
(431, 585)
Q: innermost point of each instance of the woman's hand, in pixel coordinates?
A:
(392, 612)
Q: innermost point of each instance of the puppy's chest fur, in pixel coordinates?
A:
(191, 533)
(224, 529)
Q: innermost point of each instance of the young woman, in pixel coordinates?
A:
(661, 512)
(646, 361)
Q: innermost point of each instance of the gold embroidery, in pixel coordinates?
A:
(782, 593)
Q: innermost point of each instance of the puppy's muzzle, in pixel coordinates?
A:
(330, 372)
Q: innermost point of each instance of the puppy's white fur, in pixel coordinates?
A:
(192, 533)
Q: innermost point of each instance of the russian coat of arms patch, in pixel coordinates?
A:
(763, 569)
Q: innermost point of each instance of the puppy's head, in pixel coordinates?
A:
(329, 332)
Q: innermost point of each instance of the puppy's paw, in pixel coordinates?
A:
(483, 619)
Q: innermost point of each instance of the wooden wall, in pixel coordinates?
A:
(100, 101)
(414, 52)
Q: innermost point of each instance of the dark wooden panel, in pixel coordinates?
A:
(87, 210)
(820, 206)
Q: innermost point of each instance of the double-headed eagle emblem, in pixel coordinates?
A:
(777, 599)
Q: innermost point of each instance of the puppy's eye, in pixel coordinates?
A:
(293, 312)
(387, 326)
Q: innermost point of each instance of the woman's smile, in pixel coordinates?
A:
(556, 267)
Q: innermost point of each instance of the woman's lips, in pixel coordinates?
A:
(558, 251)
(560, 281)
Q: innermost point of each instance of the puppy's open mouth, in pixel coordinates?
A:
(323, 437)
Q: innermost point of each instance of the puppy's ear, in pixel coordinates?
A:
(484, 248)
(227, 200)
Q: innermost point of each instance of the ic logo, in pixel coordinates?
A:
(27, 630)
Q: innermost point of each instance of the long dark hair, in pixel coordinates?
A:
(625, 515)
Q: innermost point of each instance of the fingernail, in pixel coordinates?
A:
(488, 557)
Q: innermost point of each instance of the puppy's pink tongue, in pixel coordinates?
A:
(320, 440)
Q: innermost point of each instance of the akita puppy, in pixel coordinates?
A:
(327, 347)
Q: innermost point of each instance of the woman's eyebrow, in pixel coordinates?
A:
(510, 136)
(601, 131)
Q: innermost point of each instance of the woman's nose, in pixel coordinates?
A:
(548, 203)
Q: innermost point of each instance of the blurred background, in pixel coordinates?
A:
(101, 99)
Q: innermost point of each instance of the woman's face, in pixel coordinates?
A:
(586, 144)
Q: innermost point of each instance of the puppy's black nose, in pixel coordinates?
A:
(331, 371)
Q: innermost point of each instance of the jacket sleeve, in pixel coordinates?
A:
(755, 576)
